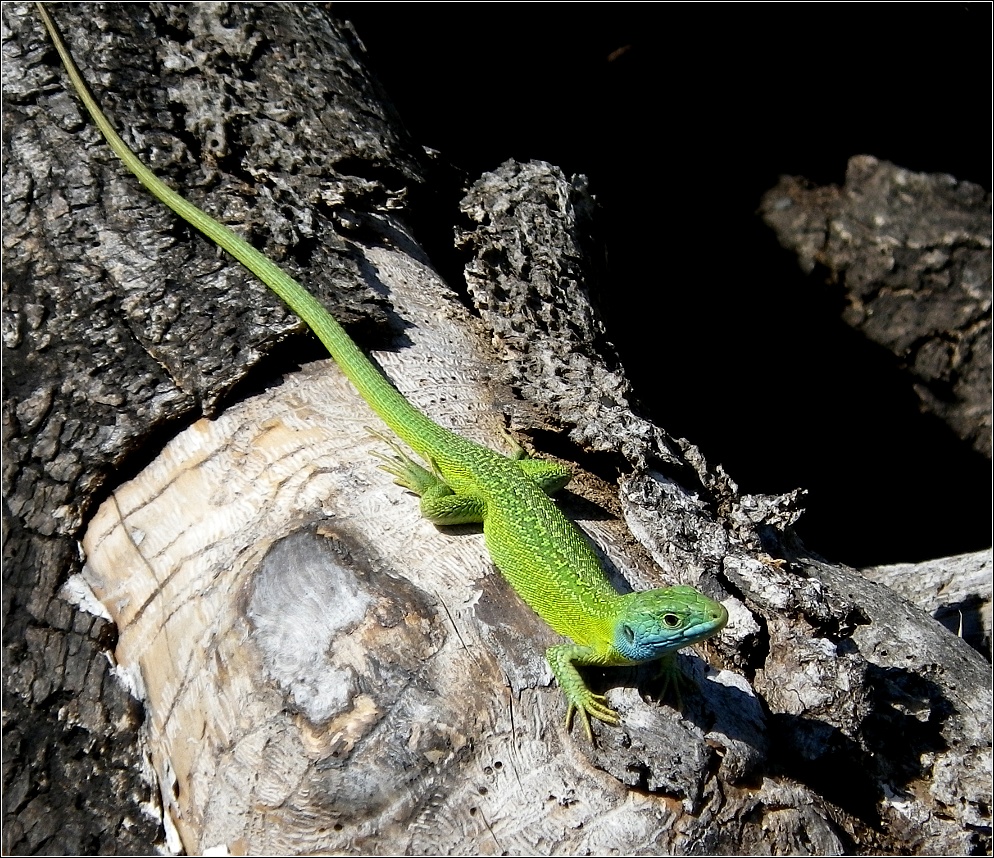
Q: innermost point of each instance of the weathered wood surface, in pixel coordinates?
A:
(954, 590)
(314, 667)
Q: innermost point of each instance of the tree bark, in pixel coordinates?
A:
(299, 662)
(912, 254)
(121, 326)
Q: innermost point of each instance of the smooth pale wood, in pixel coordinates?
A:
(172, 555)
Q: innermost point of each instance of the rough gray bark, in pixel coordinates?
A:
(912, 253)
(871, 729)
(118, 325)
(875, 726)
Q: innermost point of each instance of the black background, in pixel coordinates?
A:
(683, 116)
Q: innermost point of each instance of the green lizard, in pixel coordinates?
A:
(542, 555)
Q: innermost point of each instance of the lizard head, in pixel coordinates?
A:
(655, 623)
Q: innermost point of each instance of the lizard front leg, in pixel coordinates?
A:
(563, 660)
(550, 477)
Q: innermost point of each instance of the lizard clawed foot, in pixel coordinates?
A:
(547, 475)
(592, 705)
(673, 681)
(403, 468)
(439, 503)
(563, 660)
(518, 453)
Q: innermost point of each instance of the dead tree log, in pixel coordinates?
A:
(299, 663)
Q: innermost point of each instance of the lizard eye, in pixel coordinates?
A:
(671, 620)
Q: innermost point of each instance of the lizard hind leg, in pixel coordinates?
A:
(439, 503)
(405, 470)
(550, 477)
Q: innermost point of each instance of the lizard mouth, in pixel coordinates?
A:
(702, 631)
(715, 622)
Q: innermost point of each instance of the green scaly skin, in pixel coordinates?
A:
(541, 554)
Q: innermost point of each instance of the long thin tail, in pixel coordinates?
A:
(402, 417)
